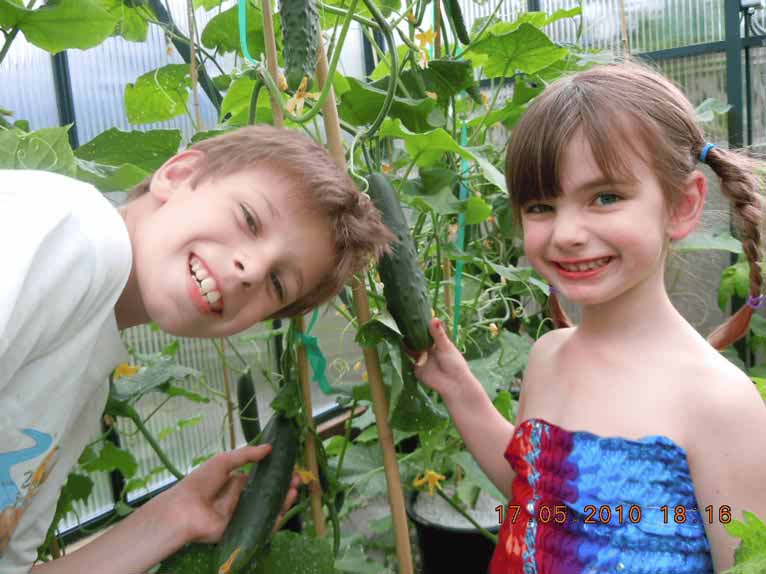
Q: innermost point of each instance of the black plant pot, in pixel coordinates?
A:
(448, 548)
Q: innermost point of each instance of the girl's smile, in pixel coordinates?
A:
(583, 270)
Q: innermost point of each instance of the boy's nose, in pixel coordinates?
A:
(250, 270)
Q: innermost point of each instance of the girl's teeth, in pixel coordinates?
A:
(212, 296)
(587, 266)
(207, 285)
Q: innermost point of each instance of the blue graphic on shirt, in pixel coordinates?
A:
(9, 492)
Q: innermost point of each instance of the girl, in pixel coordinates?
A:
(636, 440)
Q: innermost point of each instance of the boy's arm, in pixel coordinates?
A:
(197, 509)
(485, 431)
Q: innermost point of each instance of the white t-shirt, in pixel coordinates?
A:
(65, 257)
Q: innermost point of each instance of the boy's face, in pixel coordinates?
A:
(214, 260)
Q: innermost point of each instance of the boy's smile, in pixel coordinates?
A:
(214, 259)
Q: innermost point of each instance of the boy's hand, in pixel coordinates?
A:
(445, 369)
(205, 500)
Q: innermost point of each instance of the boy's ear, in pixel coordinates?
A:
(176, 173)
(689, 207)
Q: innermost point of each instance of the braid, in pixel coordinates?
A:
(740, 184)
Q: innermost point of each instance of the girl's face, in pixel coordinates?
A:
(600, 238)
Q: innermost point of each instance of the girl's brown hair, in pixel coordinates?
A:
(629, 110)
(358, 233)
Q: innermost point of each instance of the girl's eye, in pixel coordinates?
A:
(278, 286)
(536, 208)
(610, 198)
(249, 219)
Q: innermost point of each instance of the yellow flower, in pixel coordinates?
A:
(387, 167)
(307, 477)
(411, 16)
(364, 376)
(281, 82)
(432, 478)
(425, 38)
(125, 370)
(295, 104)
(357, 366)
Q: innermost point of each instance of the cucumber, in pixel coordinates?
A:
(300, 39)
(261, 501)
(248, 407)
(404, 285)
(455, 15)
(191, 559)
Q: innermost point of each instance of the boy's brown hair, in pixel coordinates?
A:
(626, 110)
(358, 233)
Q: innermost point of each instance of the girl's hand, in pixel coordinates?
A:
(445, 369)
(205, 500)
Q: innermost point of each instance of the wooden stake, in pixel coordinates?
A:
(193, 65)
(315, 489)
(229, 402)
(371, 359)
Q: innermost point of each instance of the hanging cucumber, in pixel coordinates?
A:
(300, 39)
(248, 407)
(455, 15)
(404, 285)
(261, 501)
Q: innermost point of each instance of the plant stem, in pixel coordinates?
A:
(136, 418)
(484, 532)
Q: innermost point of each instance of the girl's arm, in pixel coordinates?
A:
(197, 509)
(485, 431)
(727, 458)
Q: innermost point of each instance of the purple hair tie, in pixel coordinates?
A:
(552, 289)
(756, 302)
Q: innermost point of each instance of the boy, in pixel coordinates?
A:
(254, 224)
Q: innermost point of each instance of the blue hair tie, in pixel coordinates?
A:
(704, 152)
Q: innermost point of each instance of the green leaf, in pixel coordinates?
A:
(11, 12)
(506, 49)
(237, 103)
(61, 25)
(476, 210)
(442, 203)
(158, 95)
(475, 475)
(77, 487)
(45, 149)
(109, 178)
(131, 25)
(710, 108)
(173, 391)
(362, 102)
(448, 77)
(113, 458)
(428, 147)
(150, 378)
(381, 327)
(699, 241)
(222, 32)
(435, 179)
(293, 553)
(355, 560)
(383, 68)
(496, 371)
(145, 150)
(504, 404)
(751, 552)
(189, 422)
(735, 280)
(760, 384)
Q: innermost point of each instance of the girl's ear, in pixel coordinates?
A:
(689, 207)
(176, 173)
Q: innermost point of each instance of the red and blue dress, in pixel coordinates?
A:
(586, 504)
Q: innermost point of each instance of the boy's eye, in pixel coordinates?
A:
(278, 286)
(249, 219)
(611, 198)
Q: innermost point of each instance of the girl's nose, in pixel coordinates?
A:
(568, 230)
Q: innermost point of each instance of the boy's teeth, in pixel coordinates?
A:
(207, 285)
(212, 296)
(200, 273)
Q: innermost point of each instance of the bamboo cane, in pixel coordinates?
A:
(229, 402)
(315, 490)
(193, 66)
(371, 359)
